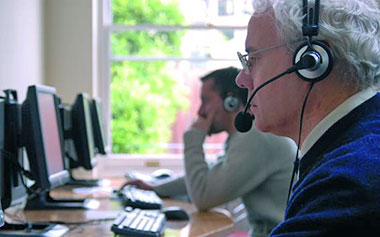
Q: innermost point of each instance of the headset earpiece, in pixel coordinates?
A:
(231, 103)
(323, 61)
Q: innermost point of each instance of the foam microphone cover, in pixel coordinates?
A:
(243, 121)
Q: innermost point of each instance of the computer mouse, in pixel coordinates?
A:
(117, 193)
(162, 173)
(175, 213)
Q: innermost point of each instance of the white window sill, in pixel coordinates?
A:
(116, 165)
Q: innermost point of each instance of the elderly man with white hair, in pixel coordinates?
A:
(312, 69)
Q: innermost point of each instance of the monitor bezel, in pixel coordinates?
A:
(100, 139)
(39, 166)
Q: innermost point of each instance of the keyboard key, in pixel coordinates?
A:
(128, 220)
(142, 224)
(148, 225)
(119, 219)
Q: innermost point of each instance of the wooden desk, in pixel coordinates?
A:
(212, 223)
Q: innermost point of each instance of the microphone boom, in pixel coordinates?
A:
(243, 120)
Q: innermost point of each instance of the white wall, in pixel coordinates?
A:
(69, 59)
(51, 42)
(21, 45)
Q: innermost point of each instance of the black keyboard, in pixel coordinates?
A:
(139, 198)
(137, 222)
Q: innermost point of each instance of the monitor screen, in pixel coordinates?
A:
(44, 139)
(82, 131)
(50, 133)
(97, 118)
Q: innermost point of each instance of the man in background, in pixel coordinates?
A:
(255, 167)
(338, 187)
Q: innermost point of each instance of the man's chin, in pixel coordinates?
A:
(261, 126)
(269, 128)
(214, 131)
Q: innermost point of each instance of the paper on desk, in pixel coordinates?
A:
(138, 175)
(92, 190)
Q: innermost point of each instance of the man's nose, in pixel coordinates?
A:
(243, 80)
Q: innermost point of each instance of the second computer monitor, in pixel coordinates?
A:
(82, 131)
(43, 137)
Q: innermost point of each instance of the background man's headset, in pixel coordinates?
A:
(312, 62)
(231, 103)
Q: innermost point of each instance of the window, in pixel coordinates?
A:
(158, 51)
(226, 7)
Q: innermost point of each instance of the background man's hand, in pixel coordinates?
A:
(205, 123)
(139, 184)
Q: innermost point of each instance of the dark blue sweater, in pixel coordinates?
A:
(338, 192)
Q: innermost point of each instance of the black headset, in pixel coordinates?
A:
(312, 62)
(318, 52)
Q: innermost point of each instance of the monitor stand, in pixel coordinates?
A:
(33, 230)
(43, 201)
(83, 182)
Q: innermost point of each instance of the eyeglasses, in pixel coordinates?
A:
(244, 58)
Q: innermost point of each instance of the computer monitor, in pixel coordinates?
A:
(97, 118)
(82, 131)
(43, 137)
(12, 190)
(78, 148)
(43, 133)
(12, 152)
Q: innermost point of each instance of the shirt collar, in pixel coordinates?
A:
(339, 112)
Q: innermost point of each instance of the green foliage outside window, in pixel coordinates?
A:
(145, 98)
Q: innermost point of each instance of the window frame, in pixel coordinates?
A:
(106, 57)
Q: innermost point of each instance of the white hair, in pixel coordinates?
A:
(352, 27)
